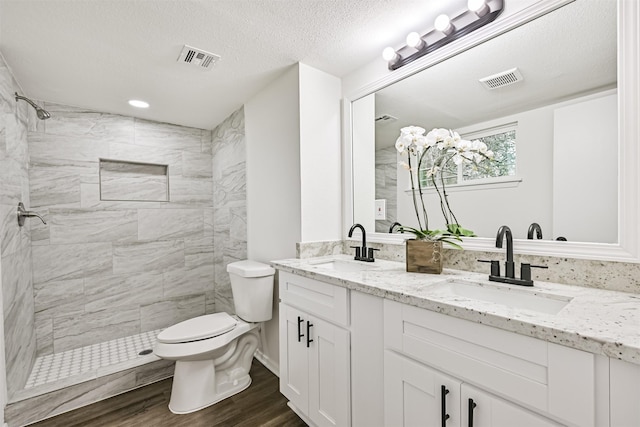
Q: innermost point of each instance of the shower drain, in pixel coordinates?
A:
(145, 352)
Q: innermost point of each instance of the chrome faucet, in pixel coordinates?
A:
(534, 228)
(505, 232)
(23, 213)
(361, 253)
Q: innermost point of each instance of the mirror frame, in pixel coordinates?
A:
(626, 250)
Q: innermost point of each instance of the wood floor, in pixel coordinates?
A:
(259, 405)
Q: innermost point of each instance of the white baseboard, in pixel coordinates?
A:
(268, 363)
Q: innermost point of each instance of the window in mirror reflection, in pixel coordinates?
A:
(501, 140)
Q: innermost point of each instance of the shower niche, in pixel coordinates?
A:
(128, 181)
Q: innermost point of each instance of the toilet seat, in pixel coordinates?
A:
(198, 328)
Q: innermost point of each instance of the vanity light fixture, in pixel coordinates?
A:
(446, 29)
(138, 104)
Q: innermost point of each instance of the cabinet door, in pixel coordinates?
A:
(487, 410)
(414, 394)
(294, 360)
(329, 375)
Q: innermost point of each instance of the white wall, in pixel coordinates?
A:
(320, 155)
(294, 181)
(585, 169)
(364, 187)
(272, 129)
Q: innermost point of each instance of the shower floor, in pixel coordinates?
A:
(59, 366)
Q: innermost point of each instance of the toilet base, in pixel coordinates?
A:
(201, 383)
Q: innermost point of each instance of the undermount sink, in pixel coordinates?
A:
(344, 265)
(524, 299)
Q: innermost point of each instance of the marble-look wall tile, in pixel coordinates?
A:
(196, 191)
(164, 224)
(171, 311)
(44, 334)
(122, 290)
(157, 155)
(206, 142)
(386, 185)
(196, 165)
(195, 278)
(15, 248)
(94, 326)
(89, 226)
(63, 262)
(164, 135)
(59, 298)
(73, 121)
(230, 204)
(147, 257)
(44, 146)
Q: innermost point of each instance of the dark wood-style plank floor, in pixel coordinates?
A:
(259, 405)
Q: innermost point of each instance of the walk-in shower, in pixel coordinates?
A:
(40, 112)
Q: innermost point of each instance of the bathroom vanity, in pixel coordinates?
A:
(368, 344)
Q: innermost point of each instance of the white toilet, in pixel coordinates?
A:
(213, 353)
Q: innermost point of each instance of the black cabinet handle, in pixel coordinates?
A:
(443, 393)
(300, 335)
(309, 340)
(472, 405)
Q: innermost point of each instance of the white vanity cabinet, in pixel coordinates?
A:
(510, 379)
(315, 349)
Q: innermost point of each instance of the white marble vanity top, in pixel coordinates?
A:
(593, 320)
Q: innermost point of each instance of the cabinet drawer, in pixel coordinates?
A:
(540, 375)
(321, 299)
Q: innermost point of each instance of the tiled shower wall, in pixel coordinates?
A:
(229, 203)
(386, 185)
(15, 249)
(108, 269)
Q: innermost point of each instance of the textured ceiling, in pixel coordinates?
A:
(97, 54)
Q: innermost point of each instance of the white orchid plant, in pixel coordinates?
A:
(432, 153)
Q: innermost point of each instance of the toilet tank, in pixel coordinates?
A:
(252, 288)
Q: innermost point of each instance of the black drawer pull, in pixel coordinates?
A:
(309, 340)
(472, 405)
(443, 400)
(300, 334)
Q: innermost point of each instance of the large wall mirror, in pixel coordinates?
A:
(564, 126)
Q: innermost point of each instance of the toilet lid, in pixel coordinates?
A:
(198, 328)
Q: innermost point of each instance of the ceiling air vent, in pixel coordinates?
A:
(385, 118)
(198, 57)
(502, 79)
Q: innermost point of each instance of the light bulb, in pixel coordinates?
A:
(479, 7)
(390, 55)
(443, 24)
(415, 41)
(138, 104)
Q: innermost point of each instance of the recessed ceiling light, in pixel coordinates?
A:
(138, 103)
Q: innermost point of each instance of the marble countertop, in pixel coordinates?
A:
(593, 320)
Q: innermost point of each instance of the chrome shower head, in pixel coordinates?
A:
(40, 112)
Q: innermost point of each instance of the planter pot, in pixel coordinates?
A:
(423, 256)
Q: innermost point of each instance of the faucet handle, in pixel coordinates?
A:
(358, 256)
(495, 266)
(370, 254)
(525, 270)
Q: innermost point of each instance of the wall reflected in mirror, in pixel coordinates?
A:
(561, 118)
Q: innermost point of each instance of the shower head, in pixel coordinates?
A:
(40, 112)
